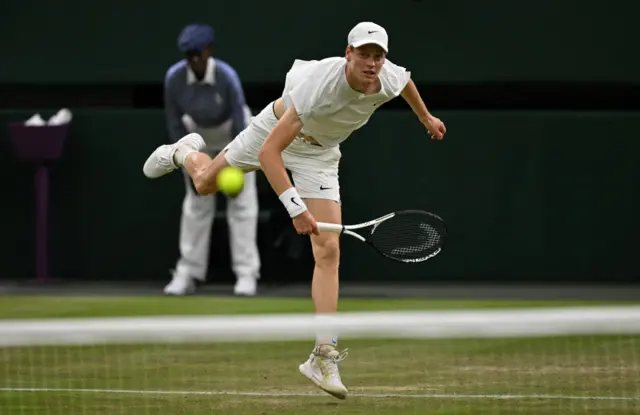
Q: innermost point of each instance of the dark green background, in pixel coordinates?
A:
(73, 41)
(527, 197)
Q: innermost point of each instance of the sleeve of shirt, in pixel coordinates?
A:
(395, 78)
(302, 97)
(173, 113)
(237, 101)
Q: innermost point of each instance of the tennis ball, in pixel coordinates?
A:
(230, 181)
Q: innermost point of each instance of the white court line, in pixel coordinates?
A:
(299, 394)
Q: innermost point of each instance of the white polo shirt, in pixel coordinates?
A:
(330, 110)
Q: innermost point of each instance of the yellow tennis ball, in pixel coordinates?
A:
(230, 181)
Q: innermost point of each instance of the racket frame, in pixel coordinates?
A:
(348, 229)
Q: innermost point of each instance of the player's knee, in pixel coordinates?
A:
(326, 251)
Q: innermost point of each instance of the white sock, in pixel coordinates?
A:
(181, 154)
(325, 337)
(327, 341)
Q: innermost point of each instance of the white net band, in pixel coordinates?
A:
(480, 323)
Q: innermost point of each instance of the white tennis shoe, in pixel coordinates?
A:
(180, 284)
(322, 369)
(161, 162)
(245, 286)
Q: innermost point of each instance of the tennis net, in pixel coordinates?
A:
(570, 360)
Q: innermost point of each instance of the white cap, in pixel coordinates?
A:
(368, 32)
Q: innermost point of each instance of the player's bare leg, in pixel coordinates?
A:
(204, 171)
(326, 252)
(322, 365)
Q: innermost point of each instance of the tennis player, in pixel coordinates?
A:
(323, 102)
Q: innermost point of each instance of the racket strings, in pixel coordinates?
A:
(409, 237)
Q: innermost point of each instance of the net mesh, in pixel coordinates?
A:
(546, 361)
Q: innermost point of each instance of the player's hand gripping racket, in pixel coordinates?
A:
(405, 236)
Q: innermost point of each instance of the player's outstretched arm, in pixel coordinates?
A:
(436, 128)
(270, 157)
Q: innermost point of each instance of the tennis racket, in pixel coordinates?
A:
(405, 236)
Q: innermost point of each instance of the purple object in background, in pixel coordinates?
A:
(40, 145)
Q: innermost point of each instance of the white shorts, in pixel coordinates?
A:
(314, 168)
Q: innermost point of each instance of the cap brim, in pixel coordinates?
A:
(369, 42)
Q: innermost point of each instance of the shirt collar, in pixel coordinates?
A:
(209, 74)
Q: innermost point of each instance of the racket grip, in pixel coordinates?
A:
(329, 227)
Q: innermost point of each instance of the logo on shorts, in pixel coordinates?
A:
(324, 188)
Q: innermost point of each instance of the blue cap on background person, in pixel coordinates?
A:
(194, 38)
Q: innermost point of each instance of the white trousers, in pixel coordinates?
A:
(195, 231)
(198, 213)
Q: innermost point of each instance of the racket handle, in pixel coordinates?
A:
(329, 227)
